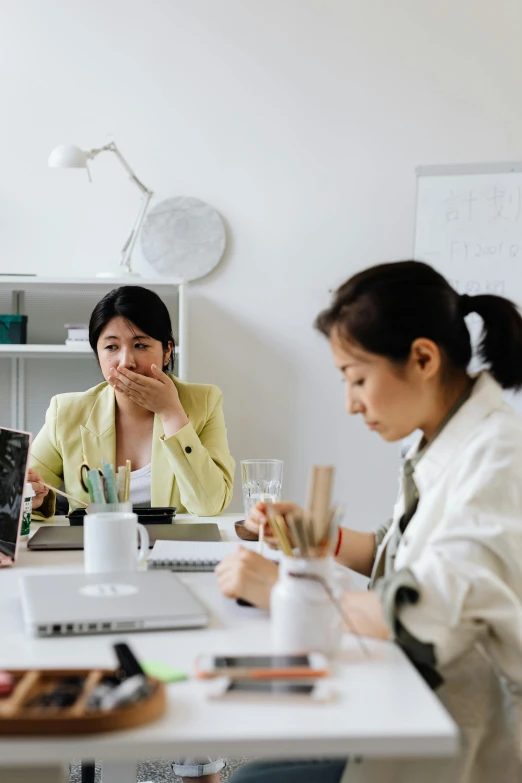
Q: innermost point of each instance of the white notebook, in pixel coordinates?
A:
(199, 555)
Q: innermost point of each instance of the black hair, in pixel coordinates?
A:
(141, 307)
(386, 307)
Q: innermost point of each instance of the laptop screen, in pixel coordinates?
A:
(14, 455)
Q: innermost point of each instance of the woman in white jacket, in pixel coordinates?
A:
(446, 581)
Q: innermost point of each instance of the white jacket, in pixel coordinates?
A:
(464, 547)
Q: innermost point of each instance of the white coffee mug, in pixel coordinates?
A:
(110, 542)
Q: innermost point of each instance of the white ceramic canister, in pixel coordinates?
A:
(303, 617)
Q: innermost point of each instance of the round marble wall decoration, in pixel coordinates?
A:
(183, 237)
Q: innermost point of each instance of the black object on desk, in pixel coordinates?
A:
(129, 666)
(60, 696)
(128, 686)
(160, 515)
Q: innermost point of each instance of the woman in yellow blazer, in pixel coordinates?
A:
(173, 432)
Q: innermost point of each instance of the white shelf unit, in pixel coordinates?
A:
(89, 290)
(35, 350)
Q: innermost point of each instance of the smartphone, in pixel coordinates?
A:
(258, 667)
(270, 690)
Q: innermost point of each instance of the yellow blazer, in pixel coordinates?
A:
(192, 469)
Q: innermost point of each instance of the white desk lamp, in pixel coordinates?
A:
(71, 157)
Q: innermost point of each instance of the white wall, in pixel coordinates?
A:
(301, 121)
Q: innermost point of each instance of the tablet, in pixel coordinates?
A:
(55, 537)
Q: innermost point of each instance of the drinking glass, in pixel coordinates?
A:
(261, 480)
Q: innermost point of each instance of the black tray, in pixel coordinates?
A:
(147, 516)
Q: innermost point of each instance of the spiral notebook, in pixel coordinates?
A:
(199, 555)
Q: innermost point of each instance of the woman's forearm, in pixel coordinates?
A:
(364, 615)
(357, 551)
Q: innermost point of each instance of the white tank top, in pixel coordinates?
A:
(140, 494)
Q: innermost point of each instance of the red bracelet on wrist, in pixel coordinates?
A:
(339, 542)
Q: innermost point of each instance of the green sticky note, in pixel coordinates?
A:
(162, 671)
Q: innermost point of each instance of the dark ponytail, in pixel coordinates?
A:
(500, 346)
(386, 307)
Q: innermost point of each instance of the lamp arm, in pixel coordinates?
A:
(113, 148)
(128, 247)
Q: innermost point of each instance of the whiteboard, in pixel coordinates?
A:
(469, 227)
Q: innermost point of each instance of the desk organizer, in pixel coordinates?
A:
(17, 719)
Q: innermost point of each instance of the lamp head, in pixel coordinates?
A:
(68, 156)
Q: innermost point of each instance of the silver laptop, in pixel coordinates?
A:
(14, 458)
(70, 604)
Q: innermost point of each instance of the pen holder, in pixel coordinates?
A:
(107, 508)
(303, 616)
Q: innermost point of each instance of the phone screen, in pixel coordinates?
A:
(261, 661)
(277, 687)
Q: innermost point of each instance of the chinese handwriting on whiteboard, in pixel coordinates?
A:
(500, 204)
(472, 233)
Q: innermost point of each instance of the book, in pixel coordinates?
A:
(199, 555)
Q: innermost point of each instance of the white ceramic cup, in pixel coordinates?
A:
(110, 542)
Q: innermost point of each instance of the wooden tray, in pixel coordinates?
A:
(16, 718)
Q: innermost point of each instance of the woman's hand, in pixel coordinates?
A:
(247, 575)
(258, 517)
(157, 394)
(41, 492)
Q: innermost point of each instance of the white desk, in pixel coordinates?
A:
(383, 709)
